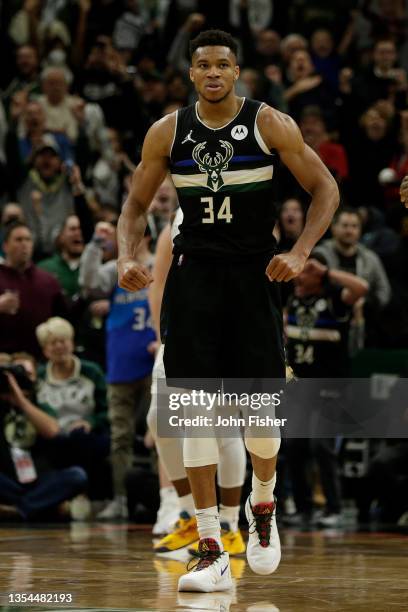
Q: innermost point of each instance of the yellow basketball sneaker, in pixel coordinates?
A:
(232, 542)
(185, 533)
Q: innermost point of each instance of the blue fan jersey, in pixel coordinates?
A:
(129, 332)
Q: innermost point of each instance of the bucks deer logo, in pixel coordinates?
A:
(306, 320)
(213, 165)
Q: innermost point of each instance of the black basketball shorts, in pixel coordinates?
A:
(221, 320)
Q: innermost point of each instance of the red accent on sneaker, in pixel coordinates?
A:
(262, 517)
(208, 551)
(264, 508)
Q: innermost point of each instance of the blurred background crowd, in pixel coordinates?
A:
(81, 82)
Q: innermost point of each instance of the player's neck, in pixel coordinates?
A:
(217, 114)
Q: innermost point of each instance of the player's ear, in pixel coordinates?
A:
(236, 75)
(191, 74)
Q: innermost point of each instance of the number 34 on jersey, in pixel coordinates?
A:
(209, 213)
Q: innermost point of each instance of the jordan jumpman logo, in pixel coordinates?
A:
(188, 138)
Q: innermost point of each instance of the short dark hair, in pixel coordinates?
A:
(213, 38)
(10, 227)
(348, 210)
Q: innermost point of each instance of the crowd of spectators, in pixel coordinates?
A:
(81, 82)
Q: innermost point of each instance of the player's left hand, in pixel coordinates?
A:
(285, 267)
(404, 191)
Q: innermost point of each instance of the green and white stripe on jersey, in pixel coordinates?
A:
(234, 181)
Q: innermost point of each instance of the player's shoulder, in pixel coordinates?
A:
(272, 117)
(166, 122)
(161, 133)
(278, 129)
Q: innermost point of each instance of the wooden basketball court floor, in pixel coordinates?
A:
(111, 567)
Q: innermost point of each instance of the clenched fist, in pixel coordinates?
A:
(132, 276)
(285, 266)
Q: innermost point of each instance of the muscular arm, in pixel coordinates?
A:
(147, 177)
(280, 132)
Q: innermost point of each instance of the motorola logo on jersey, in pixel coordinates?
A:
(239, 132)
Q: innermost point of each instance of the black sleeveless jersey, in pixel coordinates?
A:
(223, 178)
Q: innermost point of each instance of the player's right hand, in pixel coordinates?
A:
(285, 267)
(132, 276)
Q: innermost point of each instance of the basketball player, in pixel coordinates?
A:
(232, 457)
(221, 307)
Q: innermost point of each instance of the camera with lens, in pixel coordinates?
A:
(19, 373)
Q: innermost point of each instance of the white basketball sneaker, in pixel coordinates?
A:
(212, 572)
(168, 513)
(116, 509)
(263, 548)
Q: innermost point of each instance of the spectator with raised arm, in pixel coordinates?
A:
(49, 194)
(306, 87)
(58, 104)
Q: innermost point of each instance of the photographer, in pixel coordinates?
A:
(28, 484)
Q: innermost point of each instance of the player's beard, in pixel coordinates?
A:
(218, 100)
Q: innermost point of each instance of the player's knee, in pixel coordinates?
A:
(199, 452)
(265, 448)
(232, 464)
